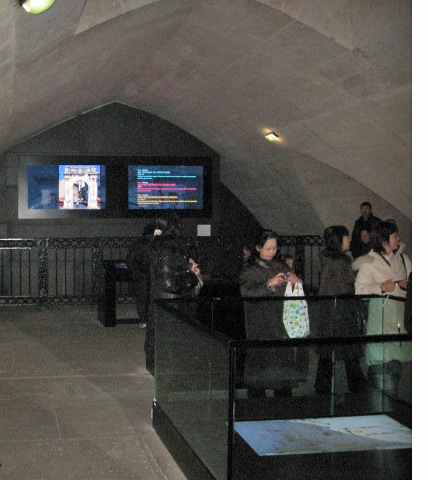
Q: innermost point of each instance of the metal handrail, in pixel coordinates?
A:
(56, 269)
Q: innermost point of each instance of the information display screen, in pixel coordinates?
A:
(178, 187)
(117, 186)
(68, 187)
(324, 435)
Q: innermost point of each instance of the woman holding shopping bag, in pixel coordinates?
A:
(265, 276)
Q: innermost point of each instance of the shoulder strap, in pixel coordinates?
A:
(404, 263)
(384, 259)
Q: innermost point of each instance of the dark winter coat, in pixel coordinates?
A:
(357, 246)
(337, 318)
(270, 367)
(138, 260)
(336, 275)
(170, 274)
(170, 278)
(263, 320)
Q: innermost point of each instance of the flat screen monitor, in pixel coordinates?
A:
(166, 187)
(116, 186)
(66, 187)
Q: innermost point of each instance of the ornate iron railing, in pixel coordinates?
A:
(66, 270)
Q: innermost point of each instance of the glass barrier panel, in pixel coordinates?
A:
(298, 399)
(255, 399)
(385, 315)
(192, 383)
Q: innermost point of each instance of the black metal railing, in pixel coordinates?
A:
(40, 270)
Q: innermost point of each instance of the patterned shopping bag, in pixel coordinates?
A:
(295, 313)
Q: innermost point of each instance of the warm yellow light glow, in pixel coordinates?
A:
(272, 137)
(36, 6)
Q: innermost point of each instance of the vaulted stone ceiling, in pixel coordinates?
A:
(331, 77)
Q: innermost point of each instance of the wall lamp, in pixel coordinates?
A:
(272, 136)
(35, 6)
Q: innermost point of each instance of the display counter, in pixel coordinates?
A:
(232, 409)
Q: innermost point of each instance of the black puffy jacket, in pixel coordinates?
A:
(170, 275)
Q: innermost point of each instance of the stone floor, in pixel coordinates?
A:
(75, 399)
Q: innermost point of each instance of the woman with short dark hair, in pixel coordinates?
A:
(385, 268)
(385, 272)
(337, 318)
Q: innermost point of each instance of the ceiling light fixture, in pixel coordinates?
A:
(35, 6)
(272, 137)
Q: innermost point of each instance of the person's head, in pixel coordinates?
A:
(267, 245)
(149, 230)
(366, 209)
(365, 236)
(385, 237)
(169, 225)
(336, 239)
(246, 252)
(289, 260)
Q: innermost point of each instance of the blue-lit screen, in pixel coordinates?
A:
(68, 187)
(179, 187)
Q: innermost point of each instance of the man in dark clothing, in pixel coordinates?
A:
(138, 260)
(365, 222)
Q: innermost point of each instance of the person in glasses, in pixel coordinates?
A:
(265, 276)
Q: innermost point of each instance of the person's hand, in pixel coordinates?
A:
(278, 279)
(403, 284)
(195, 267)
(292, 277)
(388, 286)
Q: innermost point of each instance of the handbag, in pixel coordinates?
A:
(295, 312)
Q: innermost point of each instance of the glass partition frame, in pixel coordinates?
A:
(213, 369)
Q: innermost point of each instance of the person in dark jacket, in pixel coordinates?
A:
(337, 319)
(138, 260)
(364, 245)
(366, 221)
(264, 276)
(173, 275)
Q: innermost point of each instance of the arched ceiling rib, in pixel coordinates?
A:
(333, 77)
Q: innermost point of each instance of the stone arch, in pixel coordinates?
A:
(81, 175)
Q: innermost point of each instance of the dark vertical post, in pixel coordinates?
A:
(83, 272)
(56, 271)
(74, 269)
(300, 256)
(231, 412)
(29, 272)
(42, 248)
(2, 272)
(312, 266)
(20, 272)
(11, 273)
(65, 270)
(97, 258)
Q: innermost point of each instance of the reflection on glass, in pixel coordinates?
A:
(235, 402)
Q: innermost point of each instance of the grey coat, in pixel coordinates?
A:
(263, 320)
(337, 318)
(270, 367)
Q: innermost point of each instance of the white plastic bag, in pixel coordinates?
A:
(295, 313)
